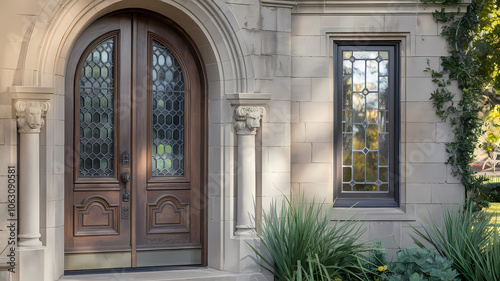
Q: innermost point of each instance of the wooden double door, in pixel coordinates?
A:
(135, 157)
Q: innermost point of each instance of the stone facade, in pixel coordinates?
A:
(264, 59)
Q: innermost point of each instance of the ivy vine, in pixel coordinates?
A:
(474, 52)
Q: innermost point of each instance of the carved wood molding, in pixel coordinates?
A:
(96, 216)
(168, 215)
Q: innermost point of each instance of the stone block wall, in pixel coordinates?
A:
(426, 182)
(282, 50)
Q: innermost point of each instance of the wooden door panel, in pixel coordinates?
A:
(167, 214)
(159, 212)
(96, 215)
(96, 109)
(98, 222)
(167, 219)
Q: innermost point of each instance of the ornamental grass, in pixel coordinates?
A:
(467, 239)
(302, 242)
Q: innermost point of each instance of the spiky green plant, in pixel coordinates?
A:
(313, 271)
(468, 240)
(298, 230)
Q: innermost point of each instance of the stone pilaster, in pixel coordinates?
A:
(247, 122)
(30, 119)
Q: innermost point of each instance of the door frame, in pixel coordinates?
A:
(71, 112)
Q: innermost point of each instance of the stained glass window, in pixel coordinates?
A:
(364, 93)
(366, 120)
(168, 113)
(96, 89)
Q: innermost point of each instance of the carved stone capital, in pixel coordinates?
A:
(247, 119)
(30, 115)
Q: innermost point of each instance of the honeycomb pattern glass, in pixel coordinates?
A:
(168, 113)
(364, 122)
(96, 89)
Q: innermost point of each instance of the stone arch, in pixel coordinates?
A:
(212, 27)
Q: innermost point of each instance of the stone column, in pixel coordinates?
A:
(30, 119)
(247, 121)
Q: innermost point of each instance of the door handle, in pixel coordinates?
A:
(125, 176)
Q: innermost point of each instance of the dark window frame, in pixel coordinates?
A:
(391, 199)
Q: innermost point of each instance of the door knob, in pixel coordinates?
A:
(125, 176)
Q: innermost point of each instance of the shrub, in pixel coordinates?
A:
(297, 231)
(467, 239)
(410, 264)
(375, 263)
(490, 192)
(420, 264)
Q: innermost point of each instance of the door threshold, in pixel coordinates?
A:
(129, 269)
(170, 273)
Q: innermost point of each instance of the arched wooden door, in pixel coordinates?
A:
(134, 178)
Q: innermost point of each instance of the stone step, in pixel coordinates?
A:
(199, 274)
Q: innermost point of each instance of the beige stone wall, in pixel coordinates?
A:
(281, 50)
(38, 38)
(16, 20)
(425, 180)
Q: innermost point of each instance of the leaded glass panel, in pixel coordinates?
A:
(365, 108)
(168, 113)
(96, 89)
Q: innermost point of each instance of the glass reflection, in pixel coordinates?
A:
(365, 89)
(359, 75)
(168, 121)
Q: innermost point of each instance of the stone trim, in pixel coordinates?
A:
(30, 115)
(247, 119)
(248, 112)
(359, 6)
(31, 105)
(279, 3)
(248, 99)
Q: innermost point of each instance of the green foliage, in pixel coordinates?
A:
(467, 239)
(473, 38)
(420, 264)
(313, 271)
(491, 143)
(375, 263)
(486, 43)
(296, 231)
(490, 192)
(410, 264)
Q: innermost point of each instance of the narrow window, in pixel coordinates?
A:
(168, 113)
(96, 105)
(366, 124)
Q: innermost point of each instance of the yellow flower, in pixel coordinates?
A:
(382, 268)
(376, 278)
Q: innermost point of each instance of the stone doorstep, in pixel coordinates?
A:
(202, 274)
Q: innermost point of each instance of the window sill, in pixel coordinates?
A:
(402, 213)
(366, 203)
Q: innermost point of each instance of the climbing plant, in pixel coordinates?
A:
(474, 55)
